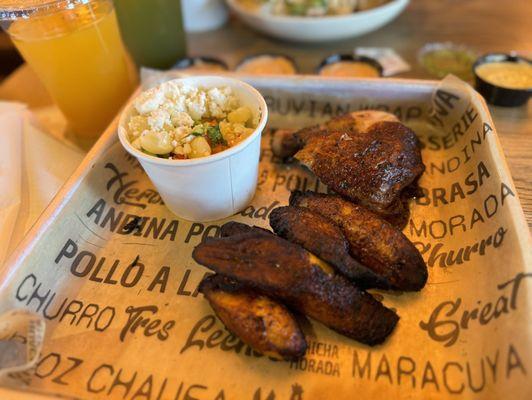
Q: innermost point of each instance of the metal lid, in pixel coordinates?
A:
(11, 10)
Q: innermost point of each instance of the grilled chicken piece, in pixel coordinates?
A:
(368, 157)
(289, 273)
(262, 323)
(234, 228)
(374, 242)
(322, 237)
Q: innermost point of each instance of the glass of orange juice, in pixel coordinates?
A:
(75, 48)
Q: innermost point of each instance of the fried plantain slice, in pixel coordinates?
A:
(262, 323)
(373, 241)
(322, 237)
(234, 228)
(289, 273)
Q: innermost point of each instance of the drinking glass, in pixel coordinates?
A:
(75, 48)
(153, 31)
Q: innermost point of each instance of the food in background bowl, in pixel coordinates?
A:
(317, 8)
(180, 121)
(267, 64)
(314, 29)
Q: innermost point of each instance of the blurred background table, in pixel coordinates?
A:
(483, 25)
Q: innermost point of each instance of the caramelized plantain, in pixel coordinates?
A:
(320, 236)
(234, 228)
(262, 323)
(289, 273)
(374, 242)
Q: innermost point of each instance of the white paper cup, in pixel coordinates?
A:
(212, 187)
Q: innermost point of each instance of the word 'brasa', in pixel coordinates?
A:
(439, 196)
(110, 218)
(450, 318)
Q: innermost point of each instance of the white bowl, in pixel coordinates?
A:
(318, 29)
(212, 187)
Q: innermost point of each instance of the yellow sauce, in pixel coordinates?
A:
(267, 65)
(508, 75)
(350, 69)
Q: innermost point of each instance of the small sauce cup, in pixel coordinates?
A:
(213, 187)
(201, 64)
(267, 64)
(496, 94)
(339, 59)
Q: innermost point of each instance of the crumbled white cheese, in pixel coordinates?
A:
(149, 101)
(137, 124)
(182, 119)
(167, 116)
(158, 119)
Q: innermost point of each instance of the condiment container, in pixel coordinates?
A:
(496, 94)
(212, 187)
(267, 64)
(442, 59)
(201, 63)
(336, 59)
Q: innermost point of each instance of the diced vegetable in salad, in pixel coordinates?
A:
(180, 122)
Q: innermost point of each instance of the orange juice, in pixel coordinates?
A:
(79, 56)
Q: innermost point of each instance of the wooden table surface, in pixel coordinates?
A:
(483, 25)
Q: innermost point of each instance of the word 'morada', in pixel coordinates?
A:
(438, 196)
(320, 358)
(450, 318)
(457, 223)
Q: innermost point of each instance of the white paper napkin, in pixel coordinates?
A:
(33, 167)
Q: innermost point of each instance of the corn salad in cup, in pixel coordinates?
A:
(180, 121)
